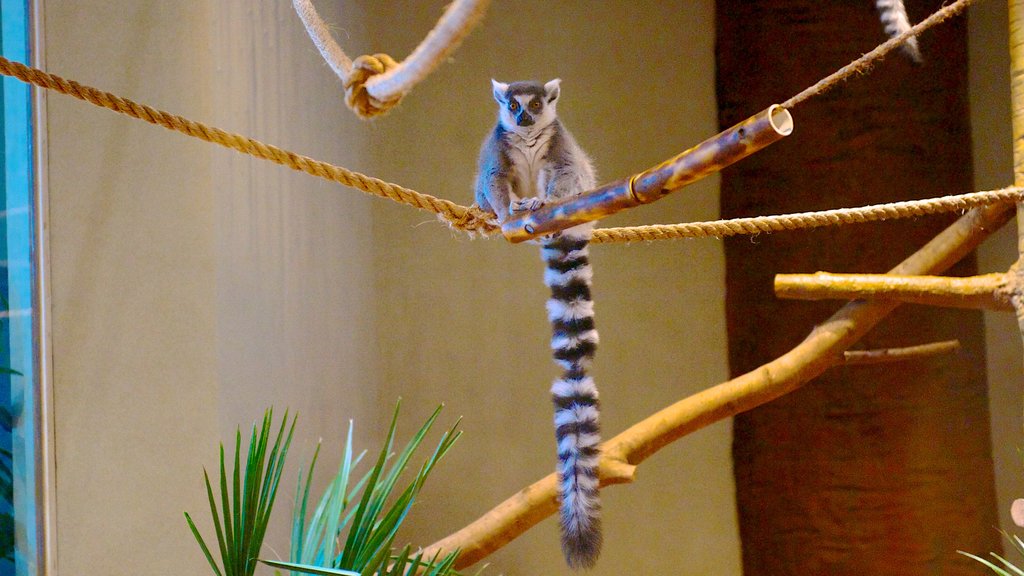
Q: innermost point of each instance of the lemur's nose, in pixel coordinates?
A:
(524, 119)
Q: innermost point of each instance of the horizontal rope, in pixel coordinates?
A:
(806, 220)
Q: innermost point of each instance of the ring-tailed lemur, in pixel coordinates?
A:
(894, 17)
(529, 158)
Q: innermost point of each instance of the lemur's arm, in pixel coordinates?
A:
(493, 185)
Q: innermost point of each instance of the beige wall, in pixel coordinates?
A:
(133, 297)
(192, 287)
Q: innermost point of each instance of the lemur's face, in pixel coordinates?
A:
(526, 106)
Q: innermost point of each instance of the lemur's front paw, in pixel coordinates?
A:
(525, 204)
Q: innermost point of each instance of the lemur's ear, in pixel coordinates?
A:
(499, 90)
(552, 90)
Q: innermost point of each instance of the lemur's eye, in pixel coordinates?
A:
(513, 105)
(534, 106)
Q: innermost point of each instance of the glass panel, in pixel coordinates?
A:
(19, 542)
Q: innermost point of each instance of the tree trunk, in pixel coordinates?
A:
(882, 469)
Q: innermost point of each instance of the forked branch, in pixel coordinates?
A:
(822, 349)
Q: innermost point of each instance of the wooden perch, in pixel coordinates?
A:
(988, 291)
(887, 355)
(821, 350)
(708, 157)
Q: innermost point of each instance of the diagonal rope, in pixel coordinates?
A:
(474, 221)
(864, 64)
(806, 220)
(462, 217)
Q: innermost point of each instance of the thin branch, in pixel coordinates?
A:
(986, 292)
(889, 355)
(821, 350)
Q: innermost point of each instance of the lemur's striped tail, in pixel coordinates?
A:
(573, 342)
(894, 17)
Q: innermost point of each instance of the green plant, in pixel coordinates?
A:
(6, 471)
(6, 490)
(242, 521)
(367, 547)
(1008, 568)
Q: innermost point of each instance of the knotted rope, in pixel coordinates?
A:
(356, 95)
(376, 84)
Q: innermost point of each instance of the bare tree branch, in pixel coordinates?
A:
(988, 291)
(821, 350)
(887, 355)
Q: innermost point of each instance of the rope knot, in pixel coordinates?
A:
(471, 220)
(356, 96)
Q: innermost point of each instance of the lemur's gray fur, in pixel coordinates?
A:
(528, 159)
(894, 17)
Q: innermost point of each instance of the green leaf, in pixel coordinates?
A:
(354, 553)
(381, 508)
(246, 504)
(992, 566)
(1018, 544)
(225, 506)
(1008, 564)
(308, 569)
(221, 541)
(299, 508)
(202, 544)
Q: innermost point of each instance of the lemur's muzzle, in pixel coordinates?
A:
(524, 119)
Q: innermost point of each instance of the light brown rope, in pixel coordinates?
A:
(376, 84)
(462, 217)
(863, 64)
(476, 222)
(805, 220)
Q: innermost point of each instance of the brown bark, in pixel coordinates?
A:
(868, 470)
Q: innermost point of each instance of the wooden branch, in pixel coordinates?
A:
(710, 156)
(887, 355)
(821, 350)
(988, 292)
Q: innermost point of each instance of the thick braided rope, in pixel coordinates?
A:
(806, 220)
(462, 217)
(863, 64)
(376, 84)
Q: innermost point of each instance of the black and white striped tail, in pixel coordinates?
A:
(573, 342)
(894, 17)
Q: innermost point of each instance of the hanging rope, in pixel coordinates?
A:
(474, 221)
(375, 84)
